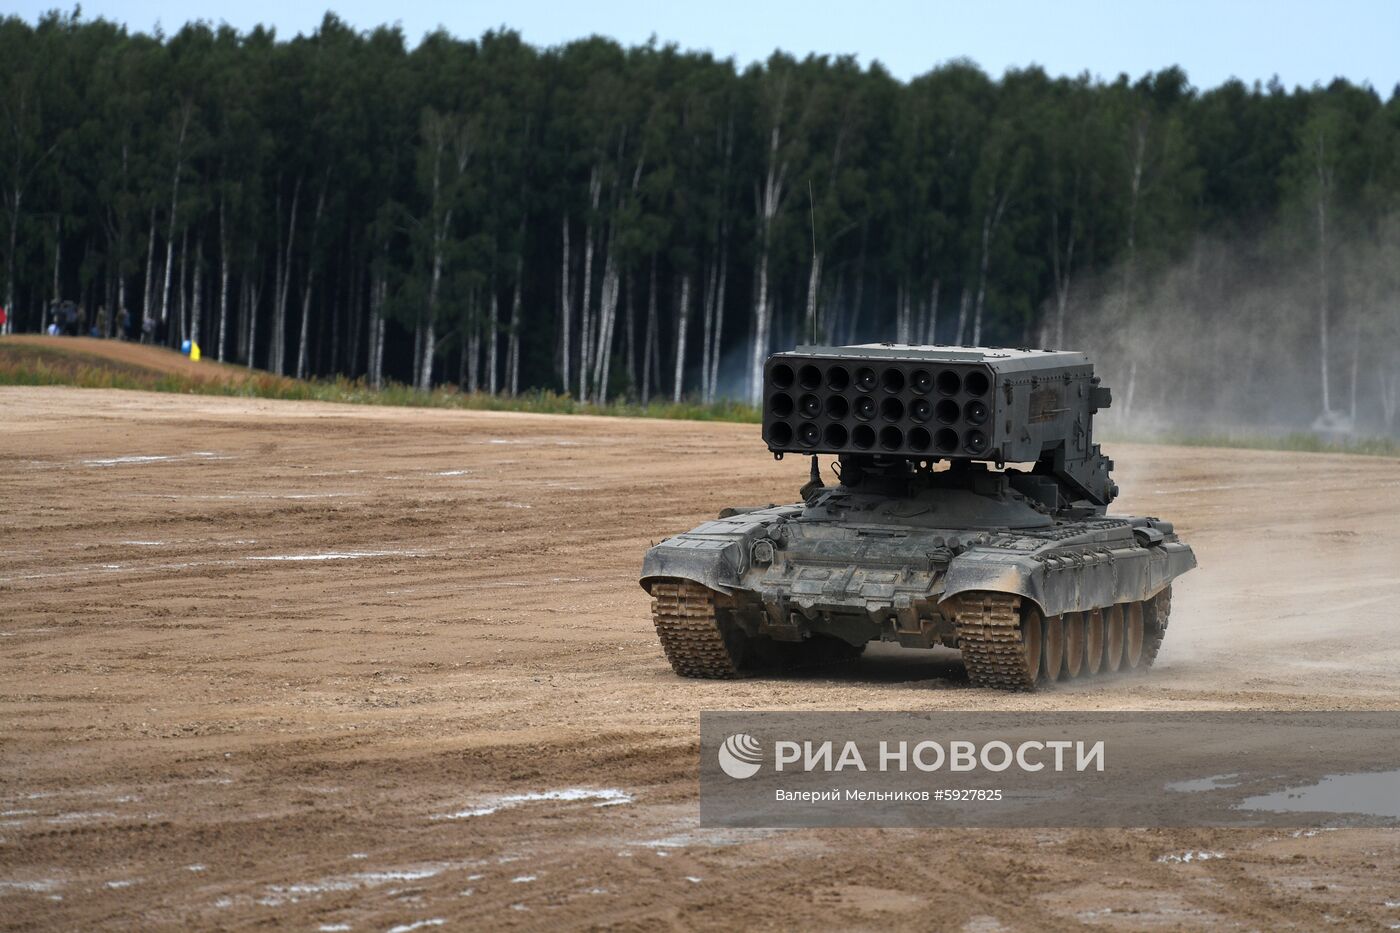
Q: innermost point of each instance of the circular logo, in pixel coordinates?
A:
(741, 756)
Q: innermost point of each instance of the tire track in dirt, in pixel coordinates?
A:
(329, 628)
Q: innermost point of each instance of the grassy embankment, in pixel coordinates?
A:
(97, 364)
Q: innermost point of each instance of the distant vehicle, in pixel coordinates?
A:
(1021, 570)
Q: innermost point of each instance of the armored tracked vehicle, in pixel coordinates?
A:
(970, 512)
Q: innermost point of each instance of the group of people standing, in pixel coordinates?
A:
(66, 319)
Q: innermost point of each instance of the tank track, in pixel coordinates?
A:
(700, 642)
(989, 636)
(701, 637)
(988, 627)
(1156, 613)
(690, 631)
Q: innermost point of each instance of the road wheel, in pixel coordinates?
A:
(1032, 638)
(1113, 638)
(1052, 650)
(1093, 641)
(1132, 636)
(1074, 644)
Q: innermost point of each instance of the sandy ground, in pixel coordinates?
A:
(258, 659)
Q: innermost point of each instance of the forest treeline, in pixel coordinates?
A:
(641, 222)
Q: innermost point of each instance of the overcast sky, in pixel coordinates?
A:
(1300, 42)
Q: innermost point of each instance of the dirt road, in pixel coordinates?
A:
(271, 664)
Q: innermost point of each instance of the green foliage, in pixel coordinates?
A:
(242, 178)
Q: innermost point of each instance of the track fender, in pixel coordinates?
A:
(711, 562)
(1073, 582)
(995, 572)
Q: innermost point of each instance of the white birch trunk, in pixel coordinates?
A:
(707, 309)
(305, 319)
(682, 322)
(223, 282)
(278, 359)
(121, 305)
(760, 335)
(429, 352)
(991, 219)
(607, 327)
(719, 323)
(174, 203)
(493, 340)
(425, 339)
(962, 317)
(513, 353)
(473, 346)
(901, 314)
(770, 201)
(197, 299)
(148, 296)
(1130, 266)
(376, 359)
(254, 296)
(180, 284)
(240, 309)
(378, 292)
(1324, 183)
(310, 279)
(585, 331)
(716, 342)
(931, 334)
(601, 341)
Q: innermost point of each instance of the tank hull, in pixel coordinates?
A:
(790, 574)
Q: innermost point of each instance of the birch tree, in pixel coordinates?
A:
(447, 147)
(1322, 175)
(659, 204)
(770, 193)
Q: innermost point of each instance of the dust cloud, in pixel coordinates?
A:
(1230, 341)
